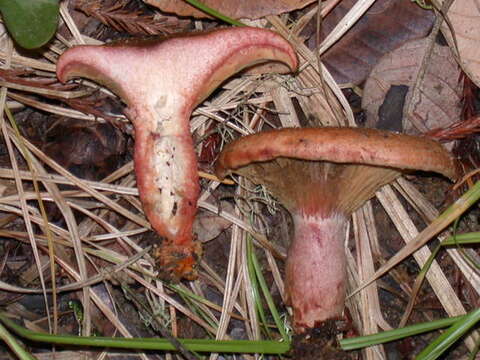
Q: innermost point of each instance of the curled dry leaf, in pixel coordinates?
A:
(464, 17)
(209, 225)
(250, 9)
(387, 25)
(440, 91)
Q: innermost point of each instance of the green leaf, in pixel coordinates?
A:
(31, 23)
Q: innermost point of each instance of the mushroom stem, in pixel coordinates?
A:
(169, 186)
(315, 269)
(162, 81)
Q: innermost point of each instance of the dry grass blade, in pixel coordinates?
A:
(97, 299)
(67, 18)
(352, 301)
(103, 275)
(23, 204)
(228, 298)
(277, 276)
(43, 90)
(49, 108)
(172, 302)
(437, 279)
(371, 314)
(29, 62)
(284, 106)
(82, 185)
(426, 209)
(70, 221)
(34, 217)
(28, 222)
(275, 249)
(322, 103)
(345, 24)
(58, 179)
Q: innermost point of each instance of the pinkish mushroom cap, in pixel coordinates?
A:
(322, 175)
(162, 82)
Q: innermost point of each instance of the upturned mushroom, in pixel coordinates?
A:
(162, 81)
(322, 175)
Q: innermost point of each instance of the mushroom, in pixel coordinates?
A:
(322, 175)
(162, 82)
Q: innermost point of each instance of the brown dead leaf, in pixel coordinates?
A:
(387, 25)
(250, 9)
(464, 17)
(440, 91)
(89, 150)
(208, 225)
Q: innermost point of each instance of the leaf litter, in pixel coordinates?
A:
(99, 223)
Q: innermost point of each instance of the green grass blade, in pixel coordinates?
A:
(474, 352)
(255, 286)
(212, 12)
(450, 336)
(199, 345)
(455, 240)
(268, 297)
(437, 225)
(197, 310)
(14, 345)
(463, 239)
(392, 335)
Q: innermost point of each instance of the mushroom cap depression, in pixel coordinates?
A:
(161, 81)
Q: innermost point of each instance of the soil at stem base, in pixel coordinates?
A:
(320, 343)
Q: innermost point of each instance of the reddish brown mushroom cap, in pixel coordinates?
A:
(161, 82)
(322, 175)
(339, 145)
